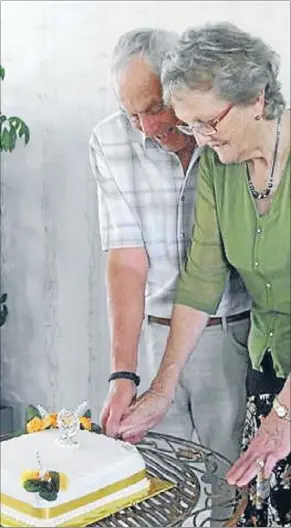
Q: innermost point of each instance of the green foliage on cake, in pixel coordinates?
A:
(47, 485)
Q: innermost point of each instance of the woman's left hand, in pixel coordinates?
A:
(271, 444)
(147, 411)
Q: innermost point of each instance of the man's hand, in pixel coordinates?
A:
(144, 414)
(121, 394)
(271, 444)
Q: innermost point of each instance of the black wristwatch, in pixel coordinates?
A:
(124, 374)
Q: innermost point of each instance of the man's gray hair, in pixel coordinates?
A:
(221, 56)
(150, 43)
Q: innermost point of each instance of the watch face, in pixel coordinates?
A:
(281, 411)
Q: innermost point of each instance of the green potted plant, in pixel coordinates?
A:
(11, 129)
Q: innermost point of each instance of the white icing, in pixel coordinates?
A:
(99, 462)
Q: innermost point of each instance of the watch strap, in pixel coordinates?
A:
(125, 374)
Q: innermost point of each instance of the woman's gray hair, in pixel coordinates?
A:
(153, 44)
(221, 56)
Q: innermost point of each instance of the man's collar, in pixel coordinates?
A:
(147, 140)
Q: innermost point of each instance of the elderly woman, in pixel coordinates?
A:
(223, 83)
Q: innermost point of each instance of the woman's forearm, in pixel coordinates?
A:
(186, 328)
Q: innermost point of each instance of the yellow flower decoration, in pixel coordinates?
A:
(86, 423)
(37, 419)
(64, 482)
(29, 474)
(50, 421)
(34, 425)
(54, 418)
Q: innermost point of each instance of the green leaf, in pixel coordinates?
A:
(3, 118)
(13, 138)
(5, 140)
(30, 413)
(88, 414)
(33, 485)
(2, 73)
(55, 480)
(23, 129)
(48, 495)
(3, 314)
(15, 126)
(14, 121)
(26, 133)
(96, 428)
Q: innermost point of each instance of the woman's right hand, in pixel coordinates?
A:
(147, 411)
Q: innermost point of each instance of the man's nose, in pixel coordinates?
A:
(149, 124)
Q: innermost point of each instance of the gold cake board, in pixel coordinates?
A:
(156, 486)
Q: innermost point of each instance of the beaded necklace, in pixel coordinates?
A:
(261, 195)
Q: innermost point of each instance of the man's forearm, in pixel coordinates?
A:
(126, 298)
(186, 328)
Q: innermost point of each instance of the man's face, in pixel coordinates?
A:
(140, 95)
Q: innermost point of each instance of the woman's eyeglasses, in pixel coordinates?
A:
(205, 128)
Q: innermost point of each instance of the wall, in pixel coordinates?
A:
(57, 55)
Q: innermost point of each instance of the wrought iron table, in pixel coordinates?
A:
(200, 494)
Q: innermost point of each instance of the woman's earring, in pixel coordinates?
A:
(257, 117)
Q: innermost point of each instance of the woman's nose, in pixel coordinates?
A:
(201, 140)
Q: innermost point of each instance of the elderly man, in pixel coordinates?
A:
(145, 171)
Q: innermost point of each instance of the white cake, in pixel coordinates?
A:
(100, 471)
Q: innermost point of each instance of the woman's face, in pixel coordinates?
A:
(235, 134)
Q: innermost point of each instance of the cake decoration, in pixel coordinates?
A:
(39, 419)
(46, 483)
(69, 425)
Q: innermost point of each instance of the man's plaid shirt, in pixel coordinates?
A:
(145, 200)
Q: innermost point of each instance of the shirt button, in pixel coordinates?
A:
(181, 236)
(259, 230)
(271, 333)
(268, 285)
(256, 263)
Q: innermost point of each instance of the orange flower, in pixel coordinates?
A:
(86, 423)
(54, 417)
(34, 425)
(50, 421)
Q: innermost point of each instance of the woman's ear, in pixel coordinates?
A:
(259, 105)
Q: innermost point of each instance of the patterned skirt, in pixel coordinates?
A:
(275, 508)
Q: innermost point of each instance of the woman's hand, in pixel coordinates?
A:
(144, 414)
(271, 444)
